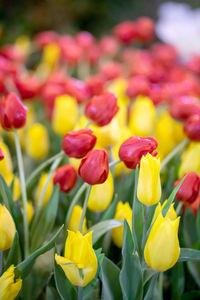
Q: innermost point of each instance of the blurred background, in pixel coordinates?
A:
(28, 17)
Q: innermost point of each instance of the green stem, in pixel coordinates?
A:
(133, 208)
(80, 293)
(178, 208)
(73, 203)
(160, 285)
(114, 163)
(1, 262)
(23, 191)
(85, 207)
(42, 166)
(4, 196)
(175, 151)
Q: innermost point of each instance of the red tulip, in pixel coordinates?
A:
(95, 85)
(132, 150)
(85, 39)
(66, 177)
(192, 128)
(183, 107)
(12, 112)
(28, 86)
(126, 32)
(77, 89)
(78, 143)
(1, 154)
(111, 70)
(195, 206)
(145, 29)
(94, 167)
(138, 85)
(109, 45)
(189, 189)
(45, 37)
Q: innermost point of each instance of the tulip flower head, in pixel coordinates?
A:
(66, 177)
(9, 287)
(7, 228)
(190, 160)
(79, 262)
(75, 219)
(192, 128)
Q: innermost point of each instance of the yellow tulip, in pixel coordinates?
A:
(122, 114)
(171, 214)
(123, 211)
(39, 189)
(101, 195)
(75, 219)
(79, 262)
(75, 162)
(190, 160)
(9, 286)
(65, 114)
(149, 186)
(6, 163)
(142, 117)
(51, 54)
(16, 187)
(162, 247)
(7, 228)
(30, 211)
(118, 87)
(37, 141)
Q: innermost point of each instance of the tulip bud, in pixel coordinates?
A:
(192, 128)
(37, 141)
(7, 228)
(75, 219)
(189, 189)
(125, 32)
(149, 186)
(94, 167)
(190, 160)
(66, 177)
(95, 85)
(183, 107)
(171, 214)
(123, 211)
(9, 286)
(101, 109)
(40, 187)
(12, 112)
(101, 195)
(162, 247)
(78, 143)
(79, 262)
(65, 114)
(132, 150)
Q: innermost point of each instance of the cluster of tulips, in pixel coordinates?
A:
(99, 162)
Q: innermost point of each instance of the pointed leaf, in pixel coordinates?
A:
(188, 254)
(110, 211)
(13, 254)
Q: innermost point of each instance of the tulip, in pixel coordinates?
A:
(79, 262)
(132, 150)
(75, 219)
(12, 112)
(189, 189)
(65, 114)
(123, 211)
(138, 85)
(85, 39)
(111, 70)
(95, 85)
(118, 87)
(192, 128)
(7, 228)
(28, 86)
(183, 107)
(1, 154)
(162, 247)
(78, 143)
(101, 195)
(37, 141)
(171, 214)
(109, 46)
(66, 177)
(9, 286)
(190, 160)
(94, 167)
(45, 37)
(149, 186)
(142, 117)
(40, 187)
(101, 109)
(125, 32)
(51, 54)
(77, 89)
(145, 29)
(195, 206)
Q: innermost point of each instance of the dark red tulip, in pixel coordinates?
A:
(78, 143)
(94, 167)
(101, 109)
(66, 177)
(192, 128)
(132, 150)
(126, 32)
(183, 107)
(189, 189)
(12, 112)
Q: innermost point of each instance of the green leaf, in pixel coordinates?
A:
(152, 292)
(134, 210)
(192, 295)
(110, 281)
(51, 293)
(131, 274)
(178, 281)
(24, 268)
(109, 213)
(188, 254)
(102, 227)
(46, 220)
(64, 287)
(13, 254)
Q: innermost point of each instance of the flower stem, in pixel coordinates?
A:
(80, 293)
(85, 207)
(178, 208)
(175, 151)
(160, 285)
(113, 163)
(23, 191)
(133, 208)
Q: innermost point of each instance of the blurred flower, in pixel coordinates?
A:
(94, 167)
(1, 154)
(95, 85)
(109, 45)
(125, 32)
(78, 143)
(145, 29)
(30, 211)
(9, 286)
(79, 262)
(190, 160)
(66, 177)
(110, 70)
(183, 107)
(75, 219)
(85, 39)
(7, 229)
(192, 128)
(51, 54)
(195, 206)
(101, 195)
(40, 187)
(45, 37)
(162, 247)
(123, 211)
(189, 189)
(6, 167)
(28, 86)
(118, 87)
(16, 185)
(23, 43)
(138, 85)
(77, 89)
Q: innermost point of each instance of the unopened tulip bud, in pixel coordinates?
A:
(66, 177)
(75, 219)
(79, 262)
(192, 128)
(189, 189)
(78, 143)
(12, 112)
(182, 108)
(9, 286)
(7, 228)
(101, 109)
(94, 167)
(132, 150)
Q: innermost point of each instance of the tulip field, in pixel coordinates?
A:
(99, 167)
